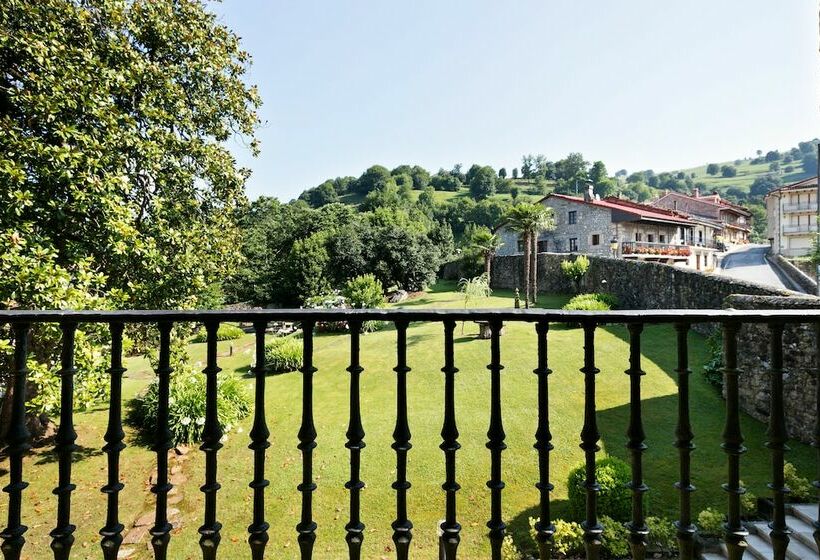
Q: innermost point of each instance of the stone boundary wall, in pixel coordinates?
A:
(800, 278)
(799, 362)
(636, 284)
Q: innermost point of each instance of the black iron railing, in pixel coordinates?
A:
(729, 321)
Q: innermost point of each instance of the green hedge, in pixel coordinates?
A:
(226, 331)
(592, 302)
(614, 499)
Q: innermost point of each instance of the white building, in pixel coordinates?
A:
(792, 218)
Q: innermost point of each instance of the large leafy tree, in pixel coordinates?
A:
(114, 170)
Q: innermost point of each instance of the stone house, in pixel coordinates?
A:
(792, 218)
(731, 224)
(615, 227)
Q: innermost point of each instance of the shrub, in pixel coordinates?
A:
(187, 403)
(615, 538)
(801, 488)
(363, 292)
(592, 302)
(748, 502)
(568, 539)
(508, 549)
(662, 534)
(614, 499)
(283, 354)
(713, 368)
(226, 331)
(710, 522)
(575, 270)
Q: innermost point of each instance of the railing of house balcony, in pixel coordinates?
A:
(648, 249)
(800, 228)
(802, 207)
(729, 321)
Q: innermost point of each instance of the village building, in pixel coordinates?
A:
(734, 223)
(792, 218)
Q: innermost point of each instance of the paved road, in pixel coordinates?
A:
(749, 263)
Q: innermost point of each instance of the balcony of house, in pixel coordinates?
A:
(645, 250)
(800, 207)
(798, 229)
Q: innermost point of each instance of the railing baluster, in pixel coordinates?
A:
(495, 443)
(114, 436)
(211, 444)
(450, 528)
(638, 531)
(733, 444)
(307, 443)
(684, 436)
(62, 537)
(777, 437)
(258, 530)
(544, 528)
(17, 446)
(402, 526)
(816, 442)
(355, 443)
(161, 531)
(589, 443)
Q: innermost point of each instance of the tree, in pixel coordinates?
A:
(762, 185)
(456, 172)
(514, 193)
(421, 178)
(809, 162)
(502, 173)
(375, 178)
(774, 166)
(713, 168)
(515, 173)
(482, 182)
(728, 171)
(444, 181)
(598, 174)
(772, 155)
(528, 220)
(321, 195)
(486, 243)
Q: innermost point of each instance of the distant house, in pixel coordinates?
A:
(792, 218)
(734, 223)
(619, 228)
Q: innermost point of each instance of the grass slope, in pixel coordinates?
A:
(426, 471)
(747, 172)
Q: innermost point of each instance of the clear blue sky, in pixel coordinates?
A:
(636, 83)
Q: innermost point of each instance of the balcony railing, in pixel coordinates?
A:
(802, 207)
(649, 249)
(800, 228)
(450, 529)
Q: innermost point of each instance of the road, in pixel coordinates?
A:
(749, 263)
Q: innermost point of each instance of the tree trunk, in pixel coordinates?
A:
(534, 268)
(488, 259)
(527, 251)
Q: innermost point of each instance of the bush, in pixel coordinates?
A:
(508, 549)
(710, 522)
(614, 499)
(801, 488)
(592, 302)
(576, 270)
(615, 538)
(226, 331)
(713, 368)
(568, 539)
(662, 534)
(364, 292)
(283, 354)
(187, 403)
(748, 502)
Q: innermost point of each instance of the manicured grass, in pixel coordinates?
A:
(425, 471)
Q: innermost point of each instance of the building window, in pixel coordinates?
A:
(543, 246)
(596, 239)
(638, 236)
(651, 238)
(662, 238)
(572, 217)
(573, 244)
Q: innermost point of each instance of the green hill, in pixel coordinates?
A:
(747, 172)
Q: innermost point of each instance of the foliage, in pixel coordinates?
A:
(304, 268)
(483, 244)
(801, 489)
(710, 522)
(728, 170)
(283, 354)
(474, 288)
(364, 291)
(575, 270)
(187, 402)
(662, 534)
(713, 368)
(748, 502)
(376, 177)
(508, 549)
(592, 302)
(482, 182)
(615, 538)
(568, 540)
(226, 331)
(614, 499)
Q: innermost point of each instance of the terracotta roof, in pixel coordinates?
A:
(712, 200)
(643, 211)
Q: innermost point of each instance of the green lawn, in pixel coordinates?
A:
(426, 472)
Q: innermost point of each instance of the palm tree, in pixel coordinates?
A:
(487, 243)
(529, 220)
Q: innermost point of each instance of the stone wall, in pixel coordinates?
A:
(796, 274)
(637, 285)
(799, 361)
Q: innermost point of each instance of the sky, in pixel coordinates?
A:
(637, 84)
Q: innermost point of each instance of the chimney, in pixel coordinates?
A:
(696, 192)
(589, 194)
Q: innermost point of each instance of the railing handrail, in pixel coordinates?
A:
(503, 314)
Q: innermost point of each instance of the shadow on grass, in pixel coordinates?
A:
(81, 453)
